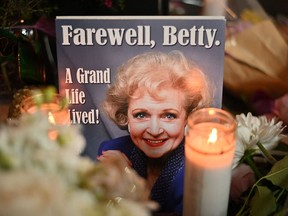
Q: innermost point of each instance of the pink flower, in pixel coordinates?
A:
(242, 179)
(281, 108)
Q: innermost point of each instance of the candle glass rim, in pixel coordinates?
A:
(29, 102)
(202, 122)
(200, 116)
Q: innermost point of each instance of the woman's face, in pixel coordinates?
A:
(157, 126)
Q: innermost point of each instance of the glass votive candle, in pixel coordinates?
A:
(209, 151)
(56, 111)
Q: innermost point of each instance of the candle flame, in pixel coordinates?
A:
(212, 136)
(51, 118)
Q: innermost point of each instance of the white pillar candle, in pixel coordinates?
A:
(209, 151)
(214, 8)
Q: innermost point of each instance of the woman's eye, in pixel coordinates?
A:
(170, 116)
(140, 115)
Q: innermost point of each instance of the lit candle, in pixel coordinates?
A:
(56, 113)
(209, 151)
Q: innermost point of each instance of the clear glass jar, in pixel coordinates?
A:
(209, 151)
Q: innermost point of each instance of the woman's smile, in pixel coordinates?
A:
(155, 142)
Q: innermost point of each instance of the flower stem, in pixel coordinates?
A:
(253, 166)
(266, 153)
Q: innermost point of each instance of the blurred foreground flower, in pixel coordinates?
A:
(260, 166)
(41, 176)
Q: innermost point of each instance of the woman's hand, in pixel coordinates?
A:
(115, 155)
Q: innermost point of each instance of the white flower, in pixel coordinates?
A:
(40, 175)
(251, 130)
(36, 193)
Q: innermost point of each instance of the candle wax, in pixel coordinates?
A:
(207, 170)
(207, 188)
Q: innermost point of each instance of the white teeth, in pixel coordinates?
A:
(155, 141)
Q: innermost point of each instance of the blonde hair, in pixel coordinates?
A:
(154, 71)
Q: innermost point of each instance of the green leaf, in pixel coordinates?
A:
(283, 212)
(37, 97)
(278, 175)
(6, 33)
(5, 161)
(49, 93)
(263, 202)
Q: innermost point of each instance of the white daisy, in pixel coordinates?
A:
(252, 130)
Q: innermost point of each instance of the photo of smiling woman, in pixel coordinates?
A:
(151, 97)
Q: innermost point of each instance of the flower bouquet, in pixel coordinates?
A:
(260, 167)
(40, 175)
(256, 62)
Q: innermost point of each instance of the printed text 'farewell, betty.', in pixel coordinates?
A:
(139, 36)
